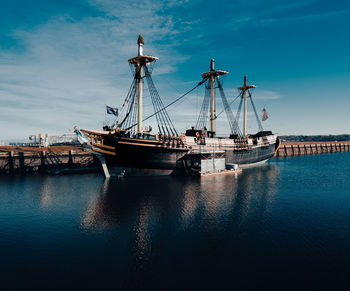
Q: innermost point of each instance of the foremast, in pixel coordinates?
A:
(139, 62)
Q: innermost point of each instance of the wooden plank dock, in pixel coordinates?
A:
(290, 149)
(71, 159)
(55, 160)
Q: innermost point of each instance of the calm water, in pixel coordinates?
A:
(285, 225)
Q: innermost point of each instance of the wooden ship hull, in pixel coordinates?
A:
(252, 156)
(243, 152)
(138, 156)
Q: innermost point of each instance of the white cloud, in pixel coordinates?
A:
(261, 94)
(69, 69)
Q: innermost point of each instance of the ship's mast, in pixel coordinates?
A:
(244, 90)
(212, 100)
(140, 43)
(139, 62)
(212, 75)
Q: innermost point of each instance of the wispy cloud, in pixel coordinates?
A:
(63, 70)
(69, 68)
(304, 17)
(261, 94)
(255, 13)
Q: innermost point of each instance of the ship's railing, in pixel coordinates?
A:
(236, 144)
(166, 140)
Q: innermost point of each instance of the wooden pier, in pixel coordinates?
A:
(290, 149)
(52, 160)
(65, 159)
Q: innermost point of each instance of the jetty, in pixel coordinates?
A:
(46, 160)
(290, 149)
(73, 159)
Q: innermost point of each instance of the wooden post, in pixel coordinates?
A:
(21, 162)
(11, 163)
(42, 161)
(277, 154)
(70, 158)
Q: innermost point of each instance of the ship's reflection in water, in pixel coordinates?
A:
(284, 225)
(213, 199)
(176, 223)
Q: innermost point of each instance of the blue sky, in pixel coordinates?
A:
(61, 61)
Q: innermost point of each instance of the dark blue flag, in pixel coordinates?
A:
(111, 110)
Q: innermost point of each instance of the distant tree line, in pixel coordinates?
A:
(340, 137)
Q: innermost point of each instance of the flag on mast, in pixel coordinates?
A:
(264, 114)
(111, 110)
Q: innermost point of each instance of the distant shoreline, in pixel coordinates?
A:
(340, 137)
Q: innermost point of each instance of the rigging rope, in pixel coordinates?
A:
(176, 100)
(229, 105)
(256, 114)
(159, 104)
(203, 115)
(231, 119)
(129, 101)
(239, 106)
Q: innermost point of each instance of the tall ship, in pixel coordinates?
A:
(128, 148)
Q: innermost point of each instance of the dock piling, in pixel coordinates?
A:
(305, 148)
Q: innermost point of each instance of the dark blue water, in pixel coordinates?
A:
(281, 226)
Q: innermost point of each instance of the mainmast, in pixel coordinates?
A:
(244, 90)
(139, 62)
(212, 75)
